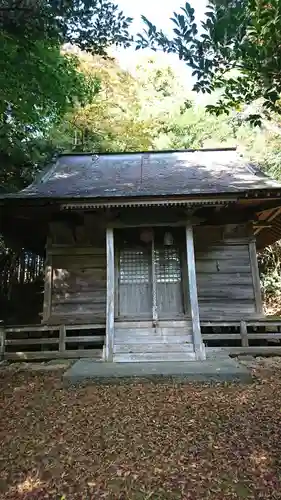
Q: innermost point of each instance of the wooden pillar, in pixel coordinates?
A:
(154, 286)
(256, 277)
(193, 297)
(109, 295)
(48, 284)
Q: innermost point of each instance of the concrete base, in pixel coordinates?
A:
(222, 369)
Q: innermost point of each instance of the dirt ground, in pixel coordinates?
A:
(140, 441)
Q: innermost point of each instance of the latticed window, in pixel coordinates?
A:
(134, 266)
(167, 265)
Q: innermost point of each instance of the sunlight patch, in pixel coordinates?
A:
(29, 484)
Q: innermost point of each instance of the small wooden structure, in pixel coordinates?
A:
(146, 251)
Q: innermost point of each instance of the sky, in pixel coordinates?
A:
(159, 13)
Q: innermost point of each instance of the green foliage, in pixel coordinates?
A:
(237, 49)
(270, 271)
(113, 120)
(92, 25)
(39, 82)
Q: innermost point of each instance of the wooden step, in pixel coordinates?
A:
(138, 339)
(148, 324)
(151, 332)
(150, 348)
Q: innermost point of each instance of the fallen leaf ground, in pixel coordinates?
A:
(139, 441)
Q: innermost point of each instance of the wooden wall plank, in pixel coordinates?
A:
(224, 278)
(79, 284)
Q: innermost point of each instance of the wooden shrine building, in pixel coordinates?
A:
(150, 245)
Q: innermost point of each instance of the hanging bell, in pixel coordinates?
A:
(146, 235)
(168, 239)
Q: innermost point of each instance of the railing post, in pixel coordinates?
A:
(244, 334)
(2, 340)
(62, 337)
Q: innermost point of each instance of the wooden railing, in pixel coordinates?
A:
(50, 342)
(244, 334)
(86, 341)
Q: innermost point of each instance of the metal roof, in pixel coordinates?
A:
(186, 173)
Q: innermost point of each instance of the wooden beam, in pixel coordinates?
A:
(109, 295)
(256, 277)
(272, 216)
(193, 296)
(69, 354)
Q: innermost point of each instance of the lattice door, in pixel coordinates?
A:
(168, 282)
(135, 284)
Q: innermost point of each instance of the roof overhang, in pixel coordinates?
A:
(123, 203)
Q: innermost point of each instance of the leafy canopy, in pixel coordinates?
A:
(39, 82)
(236, 49)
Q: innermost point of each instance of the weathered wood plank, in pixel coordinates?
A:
(262, 322)
(237, 336)
(221, 323)
(243, 333)
(179, 339)
(32, 328)
(245, 350)
(265, 336)
(225, 309)
(256, 277)
(27, 342)
(221, 336)
(151, 332)
(223, 252)
(110, 295)
(68, 354)
(90, 326)
(73, 310)
(228, 266)
(152, 348)
(62, 338)
(226, 292)
(86, 338)
(218, 279)
(77, 319)
(79, 298)
(192, 284)
(148, 324)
